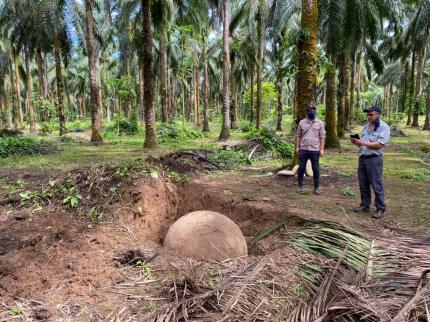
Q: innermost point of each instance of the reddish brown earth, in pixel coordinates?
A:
(57, 266)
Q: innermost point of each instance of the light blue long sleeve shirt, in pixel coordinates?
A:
(380, 135)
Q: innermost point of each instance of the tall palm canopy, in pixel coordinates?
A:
(223, 62)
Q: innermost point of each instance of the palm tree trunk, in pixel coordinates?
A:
(7, 114)
(17, 112)
(357, 86)
(150, 127)
(84, 106)
(163, 75)
(307, 58)
(206, 94)
(4, 109)
(184, 94)
(352, 90)
(60, 94)
(29, 91)
(332, 140)
(93, 77)
(197, 98)
(296, 91)
(427, 120)
(41, 78)
(13, 94)
(347, 93)
(389, 100)
(173, 99)
(279, 93)
(140, 89)
(405, 88)
(251, 100)
(418, 91)
(225, 129)
(101, 110)
(259, 69)
(411, 90)
(233, 90)
(341, 97)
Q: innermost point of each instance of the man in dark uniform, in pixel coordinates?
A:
(375, 135)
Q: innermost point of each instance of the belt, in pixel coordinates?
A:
(370, 156)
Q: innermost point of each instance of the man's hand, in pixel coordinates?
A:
(322, 152)
(357, 142)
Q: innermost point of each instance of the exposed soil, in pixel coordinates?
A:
(186, 162)
(57, 266)
(53, 265)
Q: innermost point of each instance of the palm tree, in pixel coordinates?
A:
(4, 71)
(17, 112)
(427, 119)
(280, 25)
(150, 131)
(163, 10)
(255, 13)
(225, 129)
(307, 58)
(29, 87)
(51, 31)
(260, 15)
(206, 88)
(94, 88)
(417, 37)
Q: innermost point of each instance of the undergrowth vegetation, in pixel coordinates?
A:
(172, 132)
(20, 145)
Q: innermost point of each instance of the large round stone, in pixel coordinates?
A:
(206, 235)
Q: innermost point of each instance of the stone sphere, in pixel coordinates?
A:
(206, 235)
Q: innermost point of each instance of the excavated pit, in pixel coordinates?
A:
(63, 262)
(154, 205)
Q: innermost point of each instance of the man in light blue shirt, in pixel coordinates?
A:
(375, 135)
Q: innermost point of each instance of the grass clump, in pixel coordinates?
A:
(229, 159)
(272, 143)
(25, 146)
(246, 126)
(425, 148)
(419, 174)
(125, 126)
(171, 132)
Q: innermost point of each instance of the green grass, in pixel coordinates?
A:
(405, 164)
(114, 150)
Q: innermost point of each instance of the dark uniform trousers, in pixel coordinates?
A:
(370, 175)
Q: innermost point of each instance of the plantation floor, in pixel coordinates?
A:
(57, 266)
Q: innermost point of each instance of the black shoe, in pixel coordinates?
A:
(317, 191)
(362, 209)
(378, 214)
(299, 189)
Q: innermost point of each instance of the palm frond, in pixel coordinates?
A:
(399, 263)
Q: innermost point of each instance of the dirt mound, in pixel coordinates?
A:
(76, 137)
(395, 132)
(133, 257)
(9, 132)
(186, 162)
(206, 235)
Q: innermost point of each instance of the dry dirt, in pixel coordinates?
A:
(55, 266)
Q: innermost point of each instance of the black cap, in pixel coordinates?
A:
(374, 108)
(310, 107)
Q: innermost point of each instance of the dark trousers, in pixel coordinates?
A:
(304, 156)
(370, 175)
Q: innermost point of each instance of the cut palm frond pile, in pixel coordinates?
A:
(318, 271)
(259, 288)
(377, 277)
